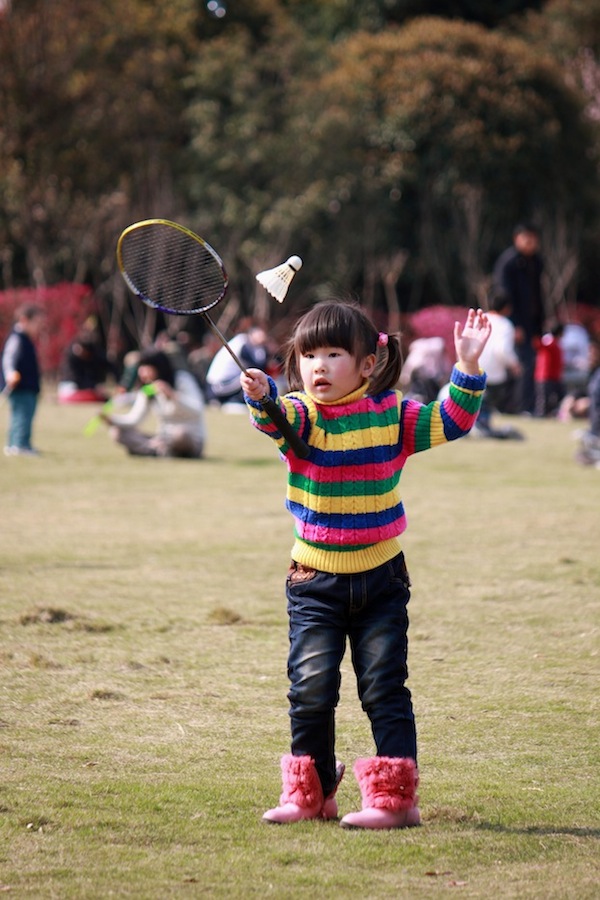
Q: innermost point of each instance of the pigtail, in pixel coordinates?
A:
(388, 366)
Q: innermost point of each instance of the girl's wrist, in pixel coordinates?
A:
(469, 368)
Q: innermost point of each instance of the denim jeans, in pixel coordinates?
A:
(368, 609)
(22, 410)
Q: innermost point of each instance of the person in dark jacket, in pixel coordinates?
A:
(518, 273)
(21, 379)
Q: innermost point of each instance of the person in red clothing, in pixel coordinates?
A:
(548, 374)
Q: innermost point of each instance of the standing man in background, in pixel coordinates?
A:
(518, 273)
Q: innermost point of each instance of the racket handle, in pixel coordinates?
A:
(272, 409)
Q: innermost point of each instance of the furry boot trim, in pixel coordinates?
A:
(302, 795)
(388, 789)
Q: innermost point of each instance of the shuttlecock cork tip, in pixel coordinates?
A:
(295, 263)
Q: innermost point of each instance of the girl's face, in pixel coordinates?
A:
(330, 373)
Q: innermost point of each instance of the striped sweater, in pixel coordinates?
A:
(345, 498)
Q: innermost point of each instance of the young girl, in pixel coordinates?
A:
(347, 577)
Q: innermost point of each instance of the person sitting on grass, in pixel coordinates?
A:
(176, 400)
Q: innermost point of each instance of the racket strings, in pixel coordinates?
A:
(172, 270)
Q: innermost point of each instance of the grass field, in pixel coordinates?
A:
(143, 642)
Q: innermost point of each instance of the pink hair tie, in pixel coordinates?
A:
(382, 340)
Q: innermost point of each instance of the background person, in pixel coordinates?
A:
(548, 372)
(576, 403)
(575, 344)
(518, 273)
(499, 358)
(85, 368)
(588, 453)
(176, 400)
(21, 379)
(426, 369)
(223, 376)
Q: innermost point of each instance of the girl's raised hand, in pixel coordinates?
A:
(470, 340)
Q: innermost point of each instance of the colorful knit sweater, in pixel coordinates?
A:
(345, 498)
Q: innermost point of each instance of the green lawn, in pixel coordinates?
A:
(143, 643)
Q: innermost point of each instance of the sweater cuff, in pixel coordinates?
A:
(468, 382)
(273, 394)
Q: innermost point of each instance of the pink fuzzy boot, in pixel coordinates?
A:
(302, 795)
(388, 788)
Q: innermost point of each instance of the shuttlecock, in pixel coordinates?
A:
(277, 281)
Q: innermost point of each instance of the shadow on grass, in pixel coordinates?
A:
(538, 830)
(262, 463)
(259, 463)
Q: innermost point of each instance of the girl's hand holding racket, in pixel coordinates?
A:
(254, 383)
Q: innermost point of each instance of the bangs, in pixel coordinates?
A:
(331, 325)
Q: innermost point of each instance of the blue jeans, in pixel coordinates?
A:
(22, 410)
(369, 609)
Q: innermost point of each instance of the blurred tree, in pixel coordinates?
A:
(490, 13)
(243, 173)
(563, 27)
(448, 134)
(91, 122)
(569, 30)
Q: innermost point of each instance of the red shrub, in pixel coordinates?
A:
(438, 321)
(66, 307)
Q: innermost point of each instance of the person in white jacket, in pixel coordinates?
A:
(175, 399)
(499, 357)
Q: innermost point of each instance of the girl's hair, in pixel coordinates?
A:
(161, 362)
(341, 323)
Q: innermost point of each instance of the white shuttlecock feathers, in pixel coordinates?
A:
(277, 281)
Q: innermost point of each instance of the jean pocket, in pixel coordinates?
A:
(299, 574)
(398, 570)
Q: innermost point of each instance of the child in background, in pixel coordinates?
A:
(348, 577)
(21, 379)
(548, 372)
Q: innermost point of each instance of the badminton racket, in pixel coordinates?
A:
(177, 272)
